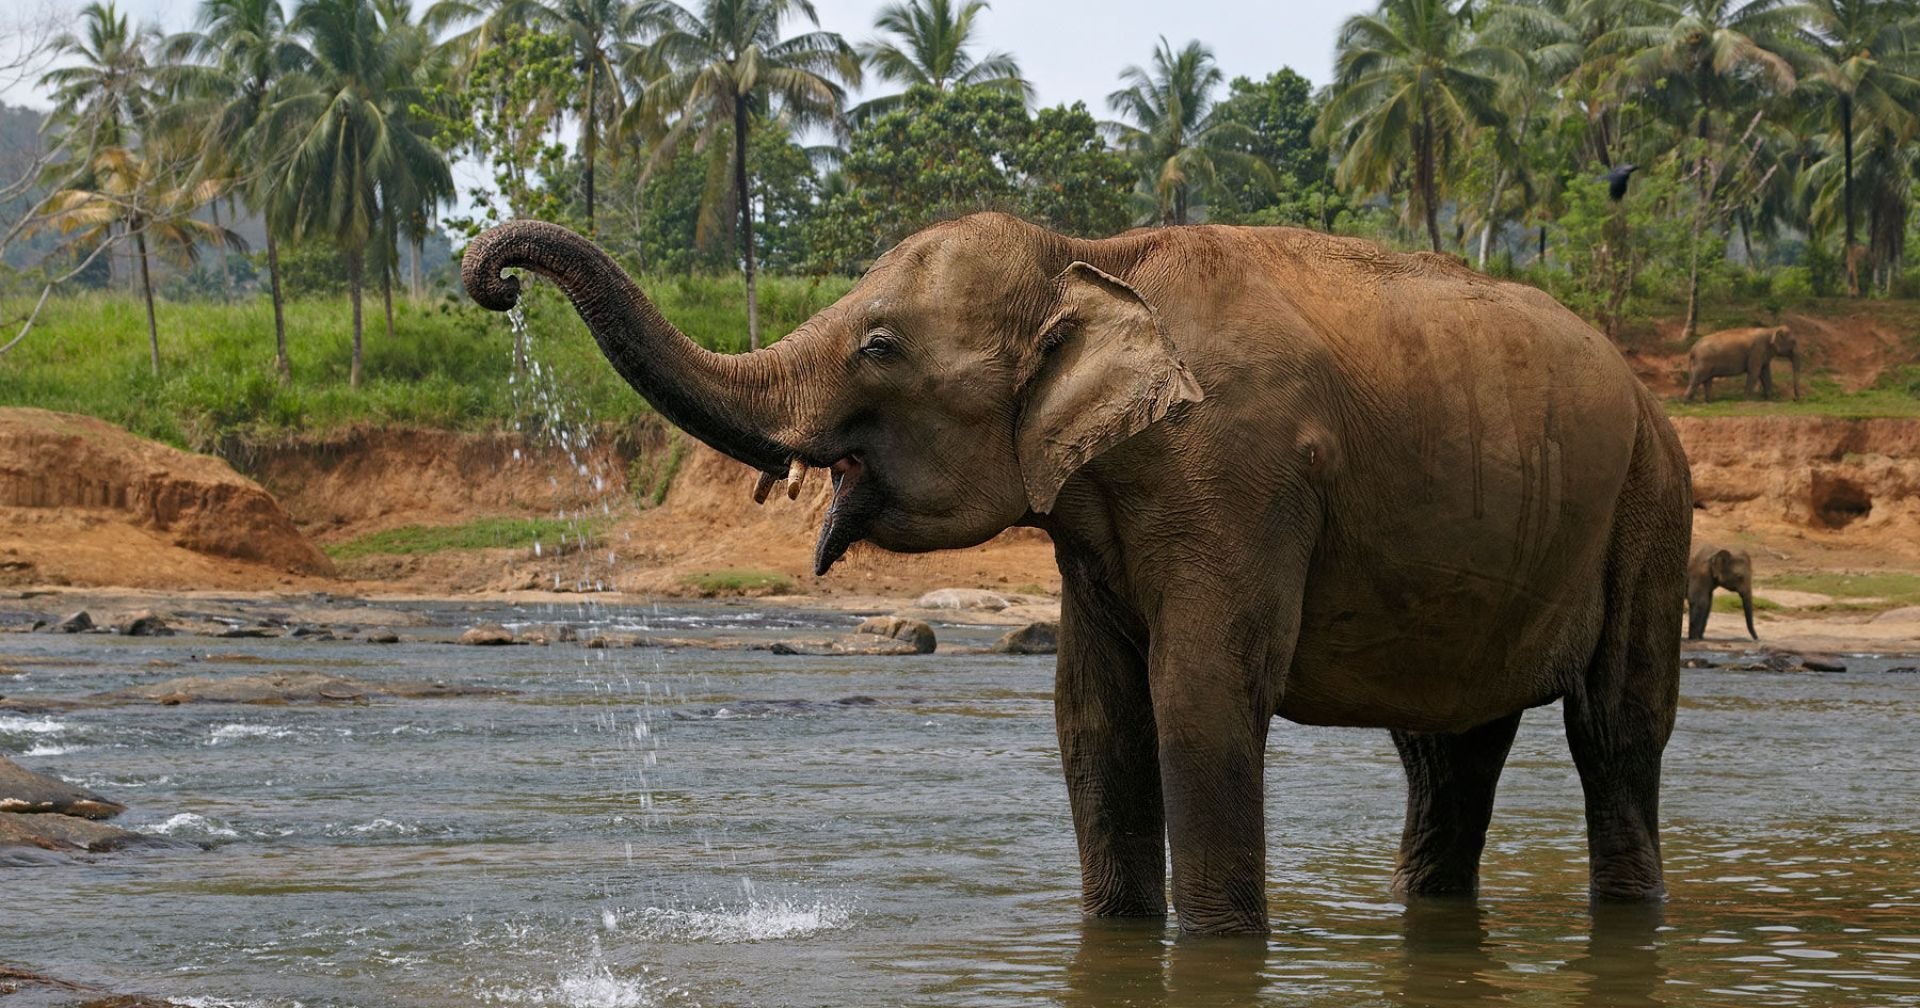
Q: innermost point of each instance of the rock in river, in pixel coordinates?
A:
(488, 635)
(1034, 638)
(24, 791)
(912, 631)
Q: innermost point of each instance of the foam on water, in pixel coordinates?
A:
(191, 824)
(12, 725)
(760, 920)
(234, 732)
(373, 827)
(52, 749)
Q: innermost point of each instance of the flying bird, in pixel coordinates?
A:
(1617, 180)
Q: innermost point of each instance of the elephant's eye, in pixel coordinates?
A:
(879, 345)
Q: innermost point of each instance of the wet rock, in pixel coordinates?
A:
(1032, 639)
(382, 637)
(487, 635)
(248, 631)
(307, 633)
(913, 631)
(23, 835)
(854, 644)
(1822, 663)
(1904, 670)
(275, 688)
(75, 622)
(145, 623)
(27, 792)
(1696, 662)
(962, 598)
(600, 641)
(543, 636)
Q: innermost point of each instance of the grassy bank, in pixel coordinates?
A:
(449, 364)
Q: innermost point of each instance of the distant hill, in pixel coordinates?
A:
(20, 147)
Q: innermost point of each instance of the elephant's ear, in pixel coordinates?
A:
(1103, 370)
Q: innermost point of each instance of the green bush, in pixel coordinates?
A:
(1792, 284)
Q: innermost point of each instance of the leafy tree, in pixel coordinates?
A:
(1170, 130)
(1610, 245)
(663, 222)
(729, 65)
(500, 111)
(929, 46)
(1411, 81)
(1274, 119)
(947, 153)
(105, 91)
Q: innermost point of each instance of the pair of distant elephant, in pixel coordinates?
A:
(1735, 352)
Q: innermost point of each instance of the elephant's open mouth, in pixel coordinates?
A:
(856, 503)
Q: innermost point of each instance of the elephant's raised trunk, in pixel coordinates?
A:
(1746, 606)
(727, 401)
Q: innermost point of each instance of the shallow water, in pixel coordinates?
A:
(638, 828)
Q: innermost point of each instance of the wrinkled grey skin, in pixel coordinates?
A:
(1748, 352)
(1285, 475)
(1711, 567)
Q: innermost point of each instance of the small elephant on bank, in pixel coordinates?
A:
(1711, 567)
(1749, 352)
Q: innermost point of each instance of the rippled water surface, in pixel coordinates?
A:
(640, 827)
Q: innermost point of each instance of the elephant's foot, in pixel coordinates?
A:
(1437, 880)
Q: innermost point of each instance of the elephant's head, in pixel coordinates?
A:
(1782, 344)
(1733, 570)
(951, 393)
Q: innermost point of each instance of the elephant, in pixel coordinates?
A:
(1710, 568)
(1285, 474)
(1747, 352)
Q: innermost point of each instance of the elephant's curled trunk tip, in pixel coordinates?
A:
(481, 270)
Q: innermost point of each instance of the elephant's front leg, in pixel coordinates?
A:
(1104, 714)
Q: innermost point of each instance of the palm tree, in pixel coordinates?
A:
(598, 29)
(1171, 130)
(245, 52)
(1866, 66)
(929, 46)
(134, 196)
(727, 68)
(104, 93)
(1705, 58)
(1411, 82)
(102, 97)
(353, 144)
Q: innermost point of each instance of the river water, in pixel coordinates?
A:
(647, 827)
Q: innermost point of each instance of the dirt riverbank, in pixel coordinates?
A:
(1807, 496)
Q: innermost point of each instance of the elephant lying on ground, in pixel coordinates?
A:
(1285, 474)
(1747, 352)
(1711, 567)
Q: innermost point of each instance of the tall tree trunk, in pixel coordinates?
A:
(416, 283)
(1423, 180)
(146, 288)
(589, 143)
(386, 295)
(1705, 192)
(220, 255)
(1493, 207)
(745, 196)
(1847, 254)
(281, 363)
(355, 262)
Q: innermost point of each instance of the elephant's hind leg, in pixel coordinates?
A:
(1450, 783)
(1620, 713)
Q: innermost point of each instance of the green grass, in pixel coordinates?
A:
(1892, 591)
(1723, 602)
(485, 533)
(1894, 395)
(711, 584)
(448, 365)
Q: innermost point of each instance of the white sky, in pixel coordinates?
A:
(1070, 49)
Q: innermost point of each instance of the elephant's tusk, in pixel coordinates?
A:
(796, 475)
(764, 487)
